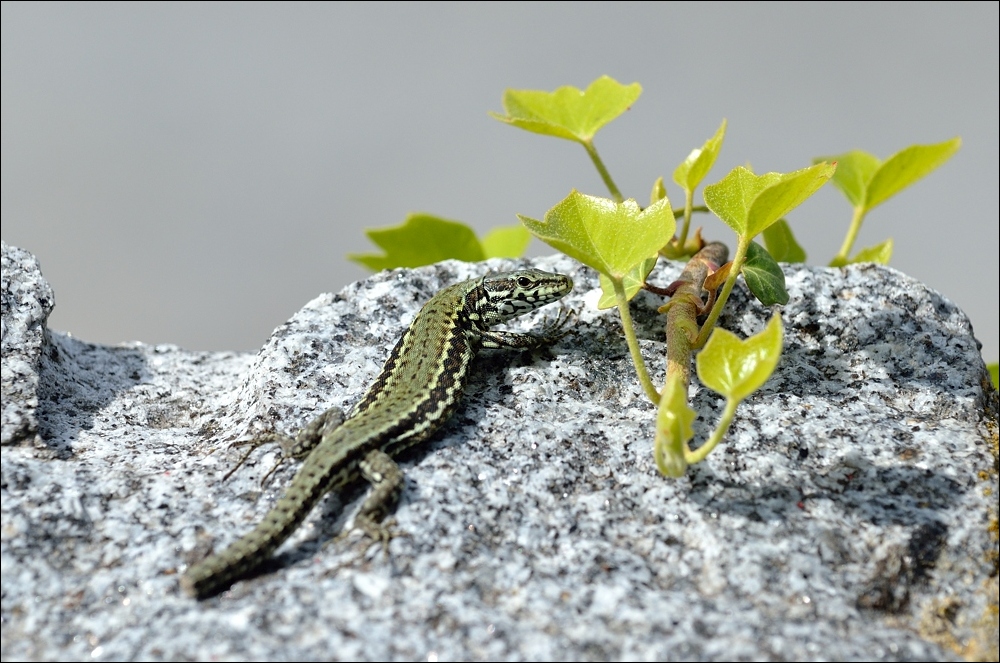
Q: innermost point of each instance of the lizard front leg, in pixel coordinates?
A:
(518, 341)
(551, 333)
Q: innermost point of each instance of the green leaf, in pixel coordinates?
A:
(782, 197)
(736, 368)
(730, 198)
(632, 282)
(610, 237)
(506, 242)
(692, 170)
(867, 181)
(749, 203)
(880, 253)
(906, 167)
(994, 370)
(569, 112)
(781, 244)
(854, 171)
(659, 191)
(420, 240)
(764, 277)
(673, 428)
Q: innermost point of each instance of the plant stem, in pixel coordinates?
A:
(702, 452)
(713, 315)
(686, 305)
(672, 432)
(701, 209)
(633, 343)
(605, 175)
(669, 452)
(688, 206)
(852, 234)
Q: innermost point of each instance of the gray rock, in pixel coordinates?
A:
(25, 303)
(851, 513)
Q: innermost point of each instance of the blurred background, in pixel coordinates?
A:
(195, 173)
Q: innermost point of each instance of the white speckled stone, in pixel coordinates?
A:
(851, 513)
(25, 303)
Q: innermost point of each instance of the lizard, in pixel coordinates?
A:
(417, 390)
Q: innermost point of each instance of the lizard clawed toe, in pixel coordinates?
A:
(254, 443)
(382, 532)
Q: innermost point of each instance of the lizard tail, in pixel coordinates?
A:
(218, 572)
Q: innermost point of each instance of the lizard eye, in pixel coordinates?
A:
(523, 282)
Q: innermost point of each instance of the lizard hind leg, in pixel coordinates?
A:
(386, 478)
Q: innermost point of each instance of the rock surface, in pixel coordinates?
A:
(25, 303)
(851, 513)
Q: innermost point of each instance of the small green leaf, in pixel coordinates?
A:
(659, 191)
(781, 244)
(764, 277)
(880, 253)
(906, 167)
(749, 203)
(632, 282)
(867, 181)
(782, 197)
(506, 242)
(730, 198)
(692, 170)
(673, 428)
(736, 368)
(569, 112)
(994, 370)
(422, 239)
(610, 237)
(854, 171)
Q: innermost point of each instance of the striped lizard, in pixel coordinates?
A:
(417, 390)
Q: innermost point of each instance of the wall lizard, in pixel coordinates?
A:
(417, 390)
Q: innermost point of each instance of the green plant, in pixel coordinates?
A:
(423, 239)
(867, 182)
(623, 242)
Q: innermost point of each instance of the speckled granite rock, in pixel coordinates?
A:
(25, 304)
(850, 514)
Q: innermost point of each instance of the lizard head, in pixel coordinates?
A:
(510, 294)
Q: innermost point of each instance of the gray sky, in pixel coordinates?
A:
(194, 174)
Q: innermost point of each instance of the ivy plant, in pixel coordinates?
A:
(423, 239)
(572, 114)
(867, 182)
(623, 242)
